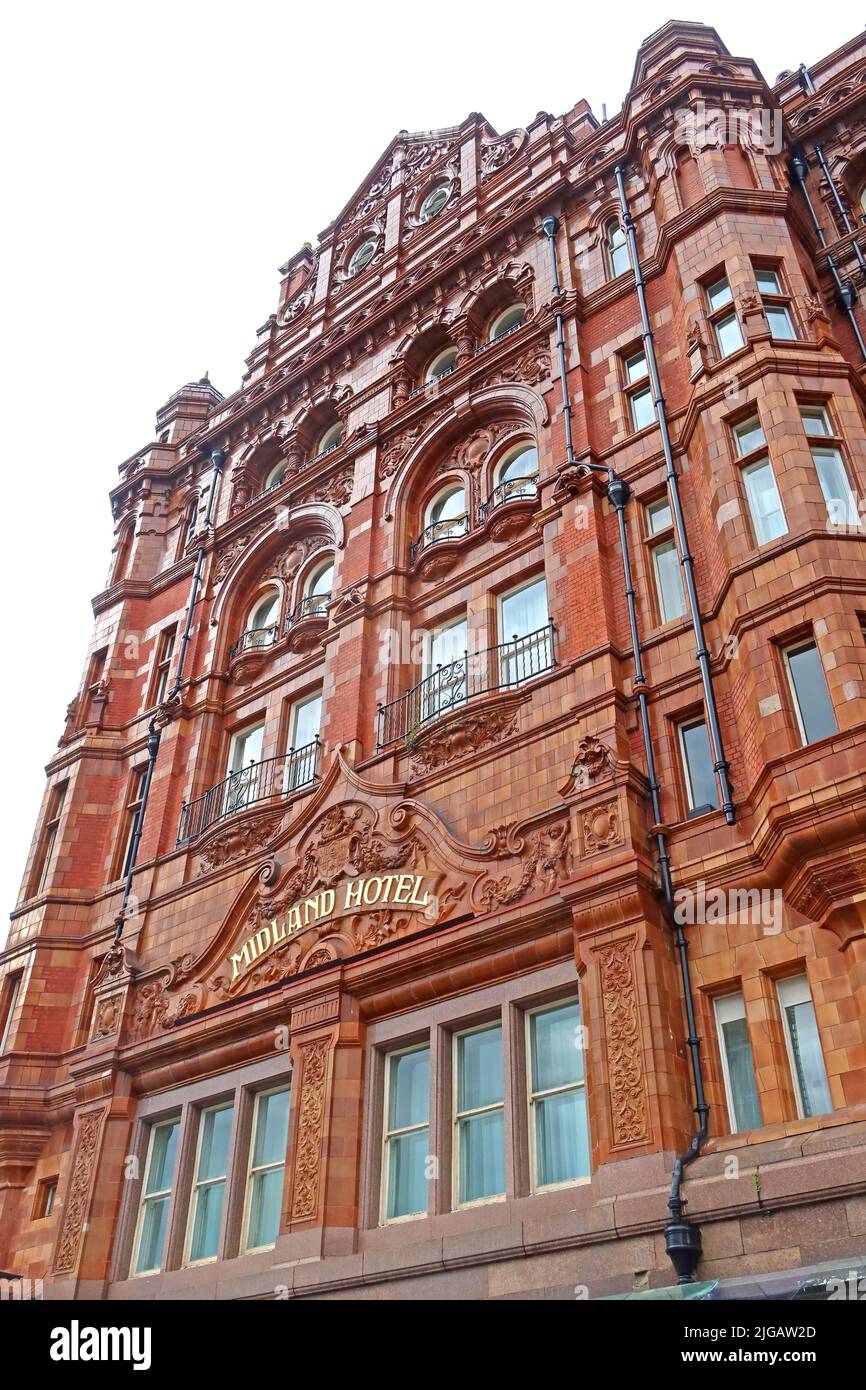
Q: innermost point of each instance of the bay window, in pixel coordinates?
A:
(156, 1197)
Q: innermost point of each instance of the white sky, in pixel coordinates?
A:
(159, 162)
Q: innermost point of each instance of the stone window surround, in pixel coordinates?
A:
(438, 1023)
(239, 1087)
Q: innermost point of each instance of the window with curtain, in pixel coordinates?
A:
(525, 642)
(156, 1197)
(812, 703)
(407, 1142)
(479, 1120)
(804, 1047)
(209, 1184)
(267, 1169)
(445, 662)
(559, 1134)
(738, 1068)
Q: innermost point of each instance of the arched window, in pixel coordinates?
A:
(331, 439)
(261, 629)
(362, 255)
(276, 476)
(509, 318)
(434, 202)
(124, 551)
(617, 248)
(446, 516)
(443, 363)
(319, 588)
(517, 472)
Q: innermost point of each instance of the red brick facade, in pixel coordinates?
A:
(519, 810)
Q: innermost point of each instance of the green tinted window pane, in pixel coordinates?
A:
(719, 293)
(749, 436)
(479, 1068)
(741, 1074)
(153, 1227)
(265, 1198)
(699, 766)
(272, 1128)
(482, 1156)
(728, 335)
(779, 321)
(635, 367)
(162, 1156)
(409, 1089)
(407, 1179)
(768, 281)
(765, 506)
(659, 516)
(840, 500)
(557, 1047)
(214, 1152)
(808, 1060)
(815, 421)
(206, 1226)
(561, 1138)
(642, 410)
(813, 700)
(672, 599)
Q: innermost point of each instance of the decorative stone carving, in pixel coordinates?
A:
(238, 839)
(600, 828)
(227, 556)
(531, 367)
(395, 451)
(106, 1016)
(313, 1069)
(78, 1195)
(495, 154)
(461, 734)
(592, 761)
(545, 862)
(337, 489)
(623, 1044)
(349, 602)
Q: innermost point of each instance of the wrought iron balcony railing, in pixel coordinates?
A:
(253, 639)
(510, 491)
(313, 606)
(504, 667)
(264, 781)
(450, 528)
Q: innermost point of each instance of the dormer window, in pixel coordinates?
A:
(509, 319)
(434, 202)
(362, 256)
(443, 363)
(617, 249)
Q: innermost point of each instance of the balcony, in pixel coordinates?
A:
(255, 639)
(511, 490)
(270, 780)
(505, 667)
(437, 533)
(307, 621)
(313, 606)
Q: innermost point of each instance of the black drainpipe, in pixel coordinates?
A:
(550, 226)
(720, 762)
(682, 1237)
(154, 733)
(806, 77)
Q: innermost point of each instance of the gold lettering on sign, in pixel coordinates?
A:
(404, 890)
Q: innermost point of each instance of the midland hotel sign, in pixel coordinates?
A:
(378, 890)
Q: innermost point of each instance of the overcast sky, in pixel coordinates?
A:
(159, 162)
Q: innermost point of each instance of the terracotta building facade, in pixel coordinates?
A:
(451, 877)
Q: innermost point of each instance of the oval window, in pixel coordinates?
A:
(362, 255)
(512, 317)
(434, 202)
